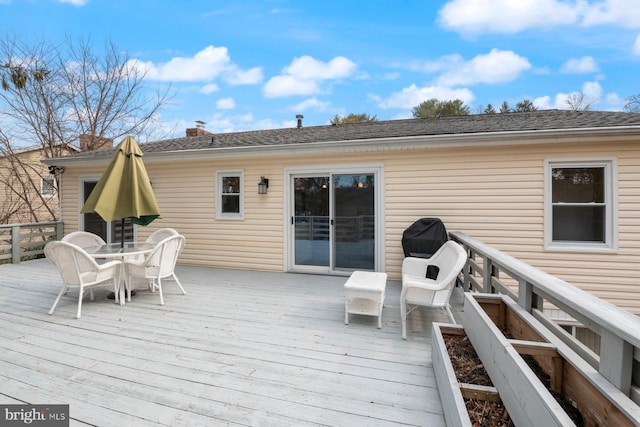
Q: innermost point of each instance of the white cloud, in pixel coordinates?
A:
(208, 64)
(498, 66)
(249, 77)
(221, 123)
(209, 88)
(511, 16)
(288, 85)
(304, 75)
(226, 104)
(413, 95)
(205, 65)
(505, 16)
(635, 49)
(623, 13)
(583, 65)
(592, 92)
(307, 68)
(613, 102)
(75, 2)
(311, 104)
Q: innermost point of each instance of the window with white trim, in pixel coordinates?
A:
(48, 187)
(230, 200)
(580, 210)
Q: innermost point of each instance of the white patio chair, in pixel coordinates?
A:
(78, 269)
(157, 265)
(419, 290)
(84, 239)
(161, 234)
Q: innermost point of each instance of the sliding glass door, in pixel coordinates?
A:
(333, 222)
(354, 222)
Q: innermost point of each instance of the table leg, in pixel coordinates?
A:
(120, 292)
(346, 311)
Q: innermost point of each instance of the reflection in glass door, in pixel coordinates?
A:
(334, 222)
(311, 220)
(92, 221)
(354, 219)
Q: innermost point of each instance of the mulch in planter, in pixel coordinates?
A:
(566, 404)
(545, 379)
(470, 370)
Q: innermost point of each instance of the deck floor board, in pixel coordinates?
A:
(241, 348)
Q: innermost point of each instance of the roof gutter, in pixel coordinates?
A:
(513, 138)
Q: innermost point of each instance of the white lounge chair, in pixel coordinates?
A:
(157, 265)
(419, 290)
(78, 269)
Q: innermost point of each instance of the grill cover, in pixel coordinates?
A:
(424, 237)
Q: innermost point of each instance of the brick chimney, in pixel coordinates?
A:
(198, 130)
(94, 142)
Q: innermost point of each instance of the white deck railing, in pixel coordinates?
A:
(619, 330)
(18, 241)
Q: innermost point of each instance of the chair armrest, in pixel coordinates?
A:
(415, 266)
(410, 281)
(108, 269)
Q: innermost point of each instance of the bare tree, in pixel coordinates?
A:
(578, 101)
(633, 104)
(54, 93)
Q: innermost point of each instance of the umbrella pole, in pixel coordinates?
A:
(122, 234)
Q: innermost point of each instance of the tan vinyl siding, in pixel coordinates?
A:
(495, 194)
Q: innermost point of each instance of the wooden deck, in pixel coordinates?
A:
(241, 348)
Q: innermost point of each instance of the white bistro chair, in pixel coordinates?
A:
(157, 265)
(430, 281)
(78, 269)
(161, 234)
(84, 239)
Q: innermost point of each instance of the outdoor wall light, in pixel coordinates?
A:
(263, 185)
(56, 170)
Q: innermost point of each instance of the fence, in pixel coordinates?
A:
(348, 228)
(619, 330)
(26, 241)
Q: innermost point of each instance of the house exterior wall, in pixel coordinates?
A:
(492, 193)
(30, 206)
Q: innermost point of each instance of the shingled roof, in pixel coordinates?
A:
(457, 125)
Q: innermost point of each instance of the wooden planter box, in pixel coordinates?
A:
(452, 393)
(528, 401)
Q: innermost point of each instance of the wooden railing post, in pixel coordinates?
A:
(525, 295)
(616, 360)
(466, 283)
(15, 244)
(486, 275)
(527, 298)
(59, 230)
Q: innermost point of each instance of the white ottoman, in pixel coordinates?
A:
(364, 294)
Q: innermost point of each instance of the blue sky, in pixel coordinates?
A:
(243, 65)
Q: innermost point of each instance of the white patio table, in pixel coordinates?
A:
(122, 252)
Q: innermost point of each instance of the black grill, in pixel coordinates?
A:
(424, 237)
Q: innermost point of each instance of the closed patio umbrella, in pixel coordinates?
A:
(124, 189)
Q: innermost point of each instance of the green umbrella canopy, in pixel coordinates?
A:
(124, 189)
